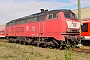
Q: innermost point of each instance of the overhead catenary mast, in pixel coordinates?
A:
(79, 17)
(79, 10)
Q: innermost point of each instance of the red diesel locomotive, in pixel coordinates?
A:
(47, 28)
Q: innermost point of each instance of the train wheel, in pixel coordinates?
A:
(73, 44)
(30, 41)
(20, 42)
(17, 41)
(61, 45)
(38, 44)
(8, 40)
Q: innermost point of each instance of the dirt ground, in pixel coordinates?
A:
(12, 51)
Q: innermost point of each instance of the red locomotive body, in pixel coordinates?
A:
(85, 29)
(44, 28)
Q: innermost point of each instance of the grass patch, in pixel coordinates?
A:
(68, 55)
(11, 51)
(5, 56)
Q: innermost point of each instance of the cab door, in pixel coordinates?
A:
(41, 28)
(42, 19)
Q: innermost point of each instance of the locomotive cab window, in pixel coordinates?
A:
(70, 15)
(84, 27)
(67, 15)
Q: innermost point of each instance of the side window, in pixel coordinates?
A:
(50, 16)
(18, 22)
(10, 24)
(43, 17)
(55, 15)
(13, 23)
(22, 21)
(28, 20)
(33, 19)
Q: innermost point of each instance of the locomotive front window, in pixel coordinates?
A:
(84, 27)
(70, 15)
(67, 15)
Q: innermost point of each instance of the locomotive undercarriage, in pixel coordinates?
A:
(69, 41)
(72, 38)
(37, 41)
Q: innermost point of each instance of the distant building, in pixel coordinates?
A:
(2, 26)
(85, 12)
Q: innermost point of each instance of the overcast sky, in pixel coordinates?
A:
(13, 9)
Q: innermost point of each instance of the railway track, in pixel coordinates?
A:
(3, 40)
(84, 49)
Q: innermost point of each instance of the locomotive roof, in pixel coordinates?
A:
(48, 12)
(40, 13)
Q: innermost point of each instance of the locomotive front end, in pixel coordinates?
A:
(73, 27)
(72, 32)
